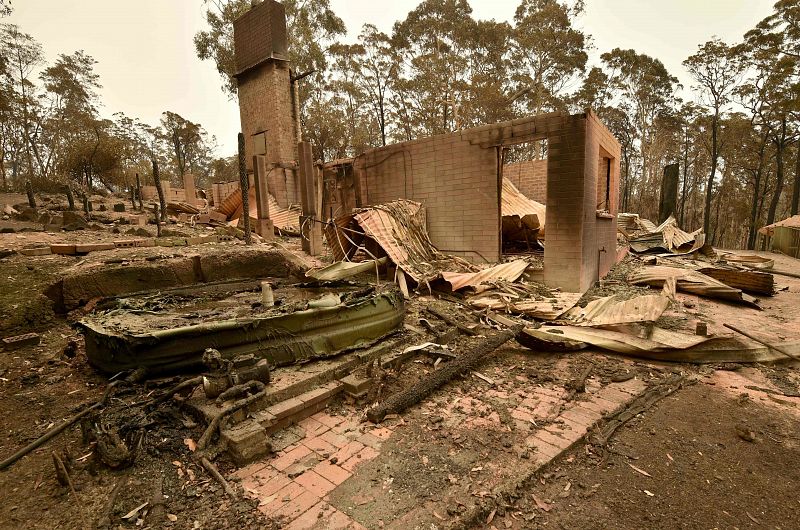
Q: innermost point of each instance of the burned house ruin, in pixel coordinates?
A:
(458, 177)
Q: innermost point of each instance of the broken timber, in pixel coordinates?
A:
(425, 387)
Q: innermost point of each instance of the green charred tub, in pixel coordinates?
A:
(282, 339)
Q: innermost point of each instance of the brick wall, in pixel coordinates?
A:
(265, 104)
(260, 34)
(149, 193)
(566, 205)
(530, 177)
(221, 190)
(581, 243)
(454, 179)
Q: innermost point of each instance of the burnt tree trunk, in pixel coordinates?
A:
(685, 177)
(425, 387)
(139, 191)
(669, 192)
(70, 197)
(754, 208)
(156, 209)
(711, 176)
(780, 145)
(796, 190)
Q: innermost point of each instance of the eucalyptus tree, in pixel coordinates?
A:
(548, 51)
(641, 87)
(716, 71)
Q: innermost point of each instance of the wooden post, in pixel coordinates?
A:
(310, 229)
(160, 189)
(29, 191)
(244, 184)
(70, 197)
(139, 191)
(264, 226)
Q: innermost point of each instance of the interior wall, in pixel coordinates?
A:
(456, 180)
(530, 178)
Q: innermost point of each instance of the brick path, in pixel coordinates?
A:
(295, 483)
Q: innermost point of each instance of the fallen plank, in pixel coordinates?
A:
(425, 387)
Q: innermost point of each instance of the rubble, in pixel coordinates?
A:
(238, 368)
(691, 281)
(522, 218)
(398, 229)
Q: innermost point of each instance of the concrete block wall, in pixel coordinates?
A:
(454, 179)
(530, 178)
(265, 104)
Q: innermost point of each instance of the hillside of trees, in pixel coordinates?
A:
(734, 133)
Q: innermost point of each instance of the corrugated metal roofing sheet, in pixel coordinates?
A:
(608, 311)
(667, 236)
(789, 222)
(399, 228)
(282, 218)
(510, 271)
(513, 202)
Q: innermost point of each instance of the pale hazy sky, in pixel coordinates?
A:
(147, 63)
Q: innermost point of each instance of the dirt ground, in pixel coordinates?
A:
(711, 460)
(719, 453)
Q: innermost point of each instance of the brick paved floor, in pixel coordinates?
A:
(294, 484)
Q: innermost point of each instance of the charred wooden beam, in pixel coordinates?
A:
(425, 387)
